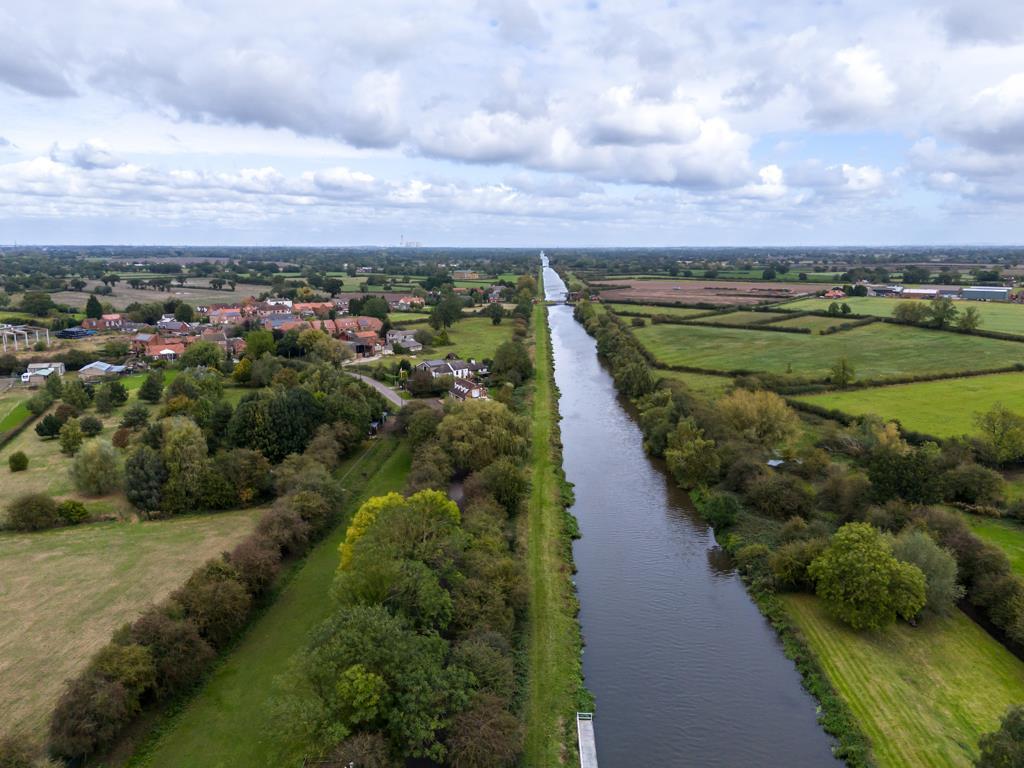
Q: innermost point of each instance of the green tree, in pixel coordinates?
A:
(71, 437)
(480, 431)
(37, 303)
(942, 311)
(75, 394)
(93, 308)
(970, 320)
(258, 343)
(1002, 431)
(54, 386)
(18, 461)
(938, 566)
(145, 475)
(446, 311)
(842, 373)
(692, 459)
(202, 353)
(862, 583)
(915, 312)
(512, 363)
(496, 312)
(96, 470)
(184, 313)
(760, 416)
(1004, 748)
(152, 388)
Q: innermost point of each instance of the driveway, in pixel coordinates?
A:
(381, 387)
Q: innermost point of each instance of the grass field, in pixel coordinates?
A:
(943, 408)
(552, 655)
(12, 408)
(701, 383)
(995, 316)
(49, 469)
(472, 337)
(811, 322)
(739, 318)
(922, 695)
(63, 592)
(194, 292)
(1008, 535)
(875, 351)
(231, 722)
(654, 309)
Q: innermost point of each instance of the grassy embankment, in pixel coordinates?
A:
(924, 694)
(875, 351)
(552, 632)
(945, 408)
(995, 316)
(1008, 535)
(231, 722)
(66, 590)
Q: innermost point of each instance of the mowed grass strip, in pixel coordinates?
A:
(1008, 535)
(1004, 317)
(922, 695)
(552, 654)
(231, 722)
(63, 592)
(876, 351)
(944, 408)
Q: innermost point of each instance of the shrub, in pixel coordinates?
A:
(312, 508)
(364, 749)
(16, 751)
(90, 426)
(973, 484)
(136, 416)
(121, 438)
(215, 599)
(789, 563)
(942, 592)
(49, 426)
(780, 496)
(71, 437)
(1005, 747)
(96, 470)
(486, 735)
(18, 461)
(506, 481)
(720, 509)
(32, 512)
(179, 654)
(39, 402)
(285, 529)
(72, 512)
(257, 561)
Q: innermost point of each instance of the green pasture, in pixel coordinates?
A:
(650, 310)
(739, 318)
(876, 351)
(813, 323)
(943, 408)
(701, 383)
(473, 338)
(923, 695)
(232, 720)
(1004, 317)
(1008, 535)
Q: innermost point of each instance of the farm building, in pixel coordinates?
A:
(987, 293)
(37, 373)
(99, 370)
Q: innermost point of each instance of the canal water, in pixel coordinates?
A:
(685, 670)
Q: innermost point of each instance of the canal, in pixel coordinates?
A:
(685, 670)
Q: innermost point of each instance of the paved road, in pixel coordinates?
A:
(381, 387)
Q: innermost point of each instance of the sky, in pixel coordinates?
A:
(512, 122)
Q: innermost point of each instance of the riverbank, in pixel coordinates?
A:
(231, 721)
(554, 686)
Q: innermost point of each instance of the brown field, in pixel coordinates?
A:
(194, 292)
(702, 291)
(63, 592)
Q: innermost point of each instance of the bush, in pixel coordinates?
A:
(121, 438)
(90, 426)
(942, 592)
(257, 561)
(71, 437)
(72, 512)
(18, 461)
(49, 426)
(312, 508)
(32, 512)
(179, 654)
(17, 752)
(972, 483)
(780, 496)
(789, 563)
(136, 416)
(486, 735)
(720, 509)
(366, 750)
(96, 470)
(39, 402)
(217, 601)
(1004, 748)
(285, 530)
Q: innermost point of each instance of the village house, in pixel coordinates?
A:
(168, 324)
(37, 373)
(464, 389)
(110, 322)
(460, 369)
(98, 369)
(494, 296)
(406, 339)
(225, 316)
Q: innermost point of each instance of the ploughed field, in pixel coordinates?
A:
(193, 292)
(876, 351)
(923, 695)
(995, 316)
(722, 292)
(66, 590)
(944, 408)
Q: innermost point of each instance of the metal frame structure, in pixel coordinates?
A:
(14, 332)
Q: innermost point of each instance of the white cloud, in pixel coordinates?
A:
(852, 85)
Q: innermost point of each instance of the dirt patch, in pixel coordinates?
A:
(723, 292)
